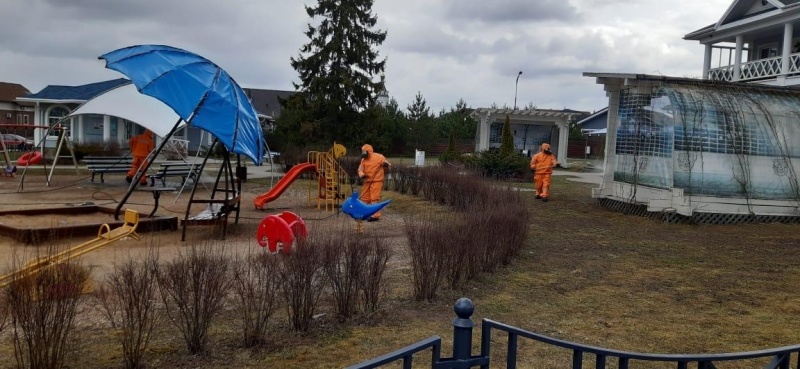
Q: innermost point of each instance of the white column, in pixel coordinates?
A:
(563, 143)
(38, 120)
(120, 131)
(78, 135)
(106, 129)
(483, 136)
(737, 59)
(788, 29)
(610, 160)
(707, 61)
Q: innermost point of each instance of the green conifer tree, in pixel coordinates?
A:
(339, 68)
(507, 140)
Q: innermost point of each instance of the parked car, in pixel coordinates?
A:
(16, 142)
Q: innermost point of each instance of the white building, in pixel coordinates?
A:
(753, 41)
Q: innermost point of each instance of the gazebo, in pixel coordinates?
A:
(530, 127)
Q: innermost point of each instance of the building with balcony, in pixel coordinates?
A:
(11, 112)
(754, 41)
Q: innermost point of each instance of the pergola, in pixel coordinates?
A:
(530, 127)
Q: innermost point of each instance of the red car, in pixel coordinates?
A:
(16, 142)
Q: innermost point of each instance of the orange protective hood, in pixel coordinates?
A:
(367, 148)
(545, 146)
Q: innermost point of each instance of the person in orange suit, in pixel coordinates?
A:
(141, 146)
(371, 170)
(542, 165)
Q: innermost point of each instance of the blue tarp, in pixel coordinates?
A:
(199, 91)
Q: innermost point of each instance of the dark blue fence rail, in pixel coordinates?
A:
(462, 350)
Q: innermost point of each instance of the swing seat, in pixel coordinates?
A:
(28, 158)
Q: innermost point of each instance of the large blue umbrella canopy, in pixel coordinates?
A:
(199, 91)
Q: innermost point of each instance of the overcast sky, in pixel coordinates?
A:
(445, 49)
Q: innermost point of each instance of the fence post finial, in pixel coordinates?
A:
(462, 329)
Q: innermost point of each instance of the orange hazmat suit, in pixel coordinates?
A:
(371, 170)
(141, 146)
(542, 164)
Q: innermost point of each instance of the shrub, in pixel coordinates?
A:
(355, 267)
(428, 246)
(488, 230)
(128, 300)
(193, 287)
(492, 164)
(3, 312)
(43, 307)
(344, 264)
(374, 286)
(255, 291)
(302, 281)
(106, 148)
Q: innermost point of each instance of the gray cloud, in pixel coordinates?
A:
(513, 10)
(446, 49)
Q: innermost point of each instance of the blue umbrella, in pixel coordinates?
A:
(199, 91)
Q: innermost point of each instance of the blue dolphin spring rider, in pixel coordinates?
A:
(359, 210)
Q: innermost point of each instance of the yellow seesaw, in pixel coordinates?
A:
(105, 236)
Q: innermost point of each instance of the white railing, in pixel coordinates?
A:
(762, 68)
(721, 74)
(176, 148)
(756, 69)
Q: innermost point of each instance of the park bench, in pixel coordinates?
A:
(107, 164)
(175, 169)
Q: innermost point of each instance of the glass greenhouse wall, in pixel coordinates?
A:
(710, 140)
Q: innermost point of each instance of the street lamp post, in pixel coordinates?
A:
(516, 84)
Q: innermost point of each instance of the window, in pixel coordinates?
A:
(19, 118)
(26, 119)
(768, 51)
(54, 117)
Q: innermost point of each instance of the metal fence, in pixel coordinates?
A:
(778, 358)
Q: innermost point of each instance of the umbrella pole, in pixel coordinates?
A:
(143, 170)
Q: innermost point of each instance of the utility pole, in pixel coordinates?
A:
(516, 85)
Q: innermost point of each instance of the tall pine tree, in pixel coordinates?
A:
(339, 66)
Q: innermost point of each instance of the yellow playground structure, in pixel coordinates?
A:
(105, 236)
(330, 175)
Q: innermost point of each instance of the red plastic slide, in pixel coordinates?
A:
(284, 183)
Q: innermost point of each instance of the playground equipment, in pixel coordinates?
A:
(9, 169)
(7, 130)
(226, 196)
(37, 154)
(276, 191)
(278, 232)
(105, 236)
(330, 176)
(29, 158)
(361, 211)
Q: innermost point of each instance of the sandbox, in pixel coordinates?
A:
(34, 226)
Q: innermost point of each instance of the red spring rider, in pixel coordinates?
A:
(278, 232)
